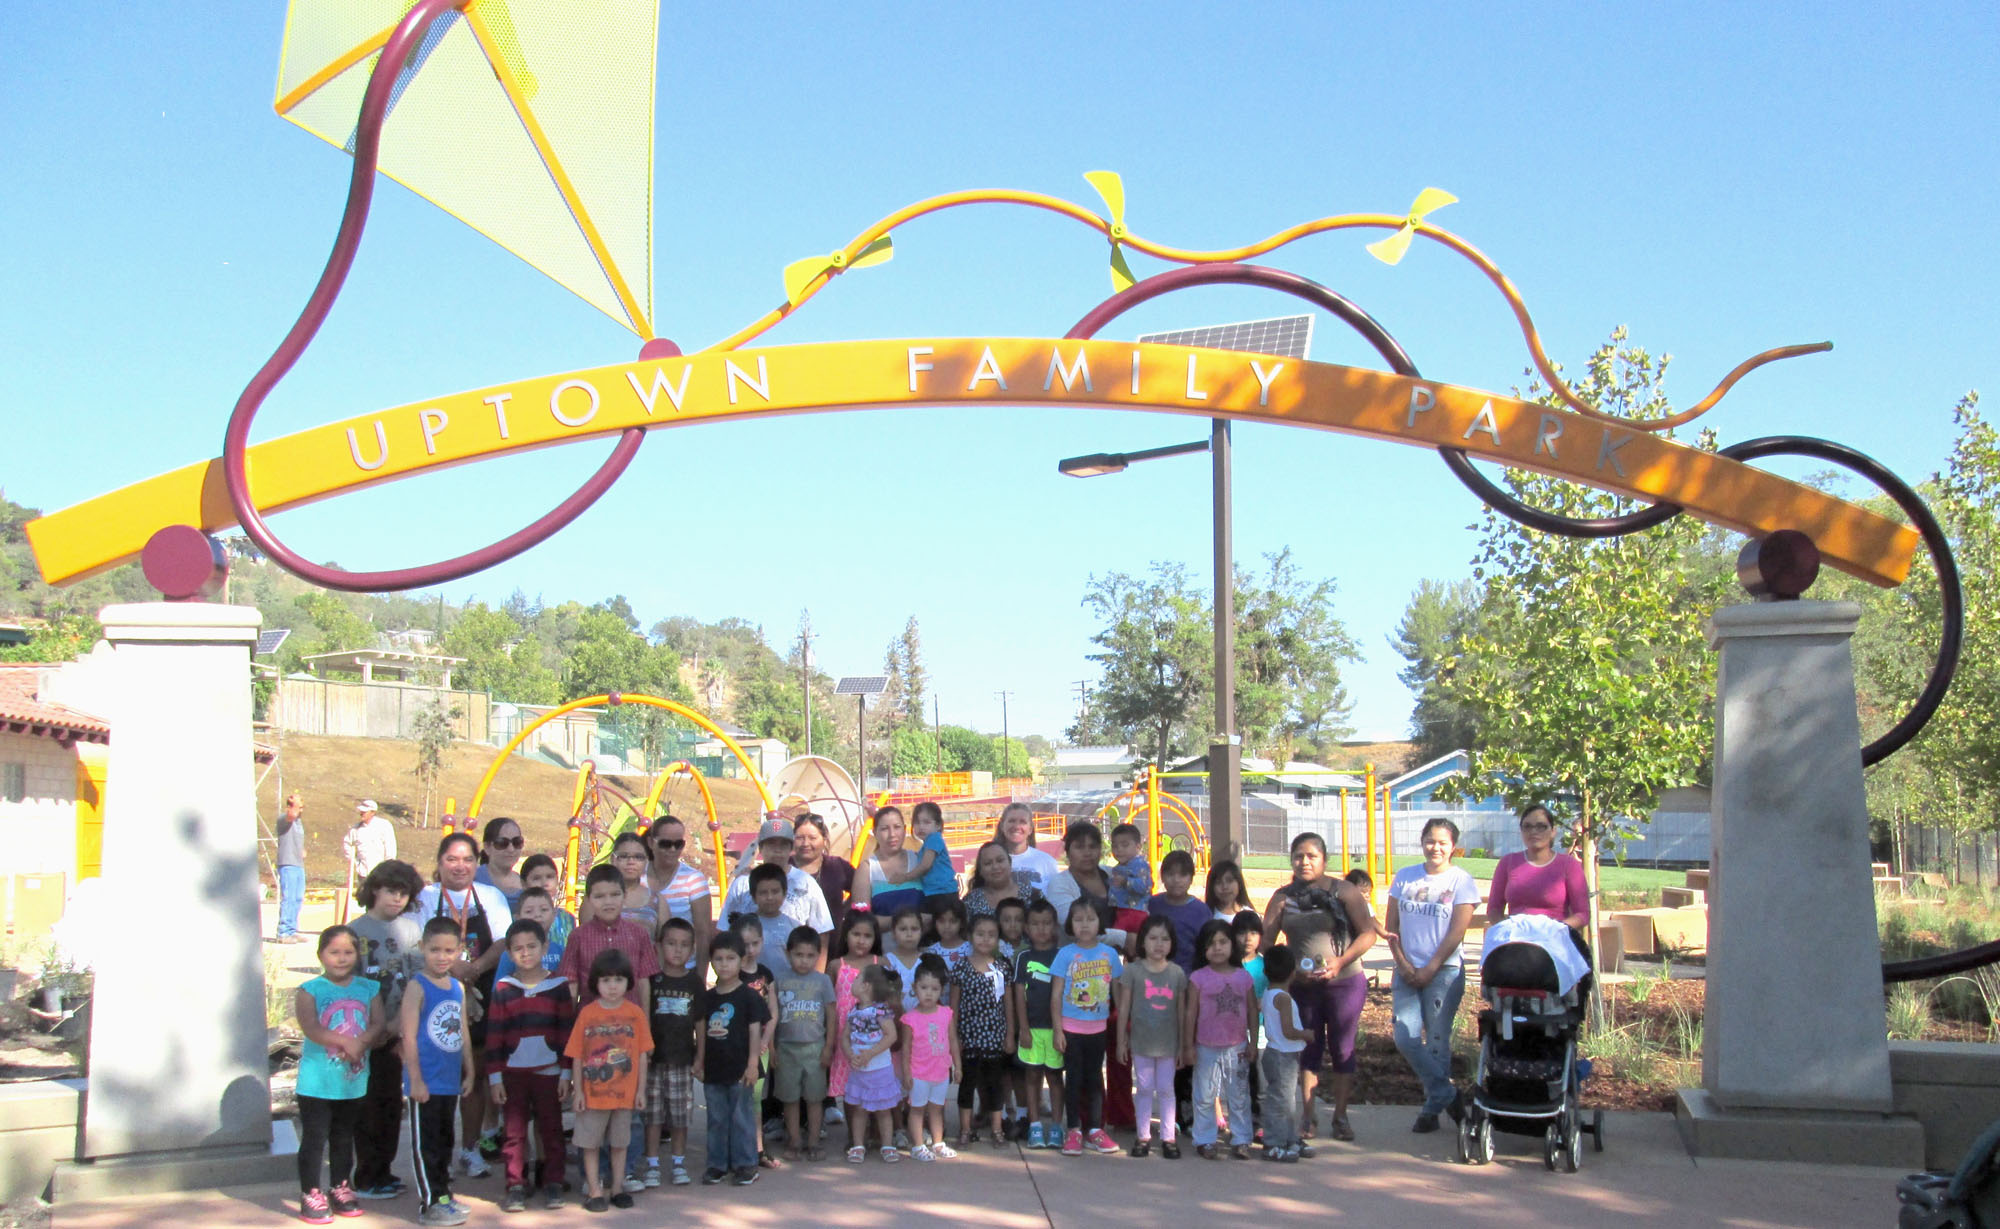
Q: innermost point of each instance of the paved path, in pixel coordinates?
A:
(1392, 1177)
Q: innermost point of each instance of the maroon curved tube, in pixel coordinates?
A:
(360, 190)
(1216, 274)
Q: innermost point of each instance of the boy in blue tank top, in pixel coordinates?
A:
(437, 1067)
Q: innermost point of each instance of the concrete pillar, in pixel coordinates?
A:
(1795, 1054)
(178, 1075)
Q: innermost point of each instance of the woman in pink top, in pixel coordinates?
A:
(1540, 879)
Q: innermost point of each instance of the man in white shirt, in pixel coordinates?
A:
(370, 842)
(805, 904)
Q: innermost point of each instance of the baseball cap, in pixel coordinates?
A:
(775, 829)
(366, 804)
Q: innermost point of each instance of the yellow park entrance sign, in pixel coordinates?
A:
(719, 385)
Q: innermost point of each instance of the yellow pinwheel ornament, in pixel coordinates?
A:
(1390, 251)
(1111, 186)
(799, 274)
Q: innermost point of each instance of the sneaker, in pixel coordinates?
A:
(680, 1174)
(1140, 1147)
(1287, 1156)
(552, 1195)
(1072, 1144)
(833, 1118)
(442, 1212)
(1425, 1124)
(902, 1141)
(712, 1177)
(472, 1165)
(1304, 1152)
(515, 1200)
(597, 1203)
(746, 1176)
(458, 1205)
(313, 1208)
(1100, 1142)
(1035, 1135)
(774, 1129)
(652, 1178)
(621, 1200)
(634, 1184)
(1171, 1150)
(342, 1200)
(1239, 1152)
(489, 1145)
(387, 1190)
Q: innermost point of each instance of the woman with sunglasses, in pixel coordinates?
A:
(1541, 878)
(501, 849)
(683, 891)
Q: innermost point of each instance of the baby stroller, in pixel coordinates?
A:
(1536, 977)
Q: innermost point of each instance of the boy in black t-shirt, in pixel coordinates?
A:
(730, 1039)
(1034, 1025)
(670, 1092)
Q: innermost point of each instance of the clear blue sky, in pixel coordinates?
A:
(1720, 178)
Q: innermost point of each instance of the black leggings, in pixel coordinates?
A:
(986, 1076)
(1083, 1079)
(326, 1132)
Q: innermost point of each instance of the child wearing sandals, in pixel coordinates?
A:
(805, 1034)
(980, 992)
(874, 1089)
(1152, 992)
(930, 1060)
(857, 944)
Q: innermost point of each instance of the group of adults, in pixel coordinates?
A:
(368, 843)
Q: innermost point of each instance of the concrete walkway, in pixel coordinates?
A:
(1391, 1177)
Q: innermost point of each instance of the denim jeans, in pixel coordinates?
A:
(1281, 1098)
(291, 894)
(1423, 1031)
(1220, 1074)
(732, 1126)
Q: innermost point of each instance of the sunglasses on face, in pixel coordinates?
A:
(666, 844)
(501, 842)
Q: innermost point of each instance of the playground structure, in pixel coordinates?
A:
(589, 830)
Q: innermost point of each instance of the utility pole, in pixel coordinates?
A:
(1006, 747)
(1225, 759)
(805, 671)
(937, 737)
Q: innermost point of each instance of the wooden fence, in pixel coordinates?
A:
(373, 710)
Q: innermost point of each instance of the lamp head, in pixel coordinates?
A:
(1093, 465)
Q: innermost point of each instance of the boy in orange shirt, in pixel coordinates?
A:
(608, 1045)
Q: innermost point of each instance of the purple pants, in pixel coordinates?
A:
(1330, 1011)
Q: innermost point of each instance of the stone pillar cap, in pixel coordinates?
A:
(1795, 618)
(180, 621)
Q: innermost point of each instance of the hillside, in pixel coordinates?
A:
(336, 773)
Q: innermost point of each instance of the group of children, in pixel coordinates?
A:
(915, 1011)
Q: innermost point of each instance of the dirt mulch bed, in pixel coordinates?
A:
(1385, 1077)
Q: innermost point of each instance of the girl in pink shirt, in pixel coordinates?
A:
(930, 1045)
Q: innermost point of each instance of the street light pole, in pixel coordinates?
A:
(1006, 748)
(1225, 753)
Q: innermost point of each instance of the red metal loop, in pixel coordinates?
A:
(360, 190)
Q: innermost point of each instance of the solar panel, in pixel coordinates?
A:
(268, 642)
(1285, 336)
(862, 685)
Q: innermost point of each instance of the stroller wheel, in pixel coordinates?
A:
(1480, 1127)
(1597, 1131)
(1572, 1140)
(1551, 1144)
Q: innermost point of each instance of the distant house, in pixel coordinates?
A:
(1417, 788)
(387, 665)
(1094, 768)
(768, 754)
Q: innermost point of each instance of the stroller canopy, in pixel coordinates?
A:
(1555, 941)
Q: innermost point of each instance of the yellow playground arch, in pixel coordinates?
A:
(1146, 801)
(586, 776)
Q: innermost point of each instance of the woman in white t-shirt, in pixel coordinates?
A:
(1429, 908)
(1034, 869)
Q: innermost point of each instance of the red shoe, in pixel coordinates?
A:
(1100, 1142)
(1072, 1146)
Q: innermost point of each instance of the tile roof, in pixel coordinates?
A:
(23, 712)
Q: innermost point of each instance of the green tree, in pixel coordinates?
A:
(1289, 646)
(913, 752)
(1430, 636)
(1156, 657)
(500, 657)
(64, 638)
(432, 726)
(1588, 677)
(337, 626)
